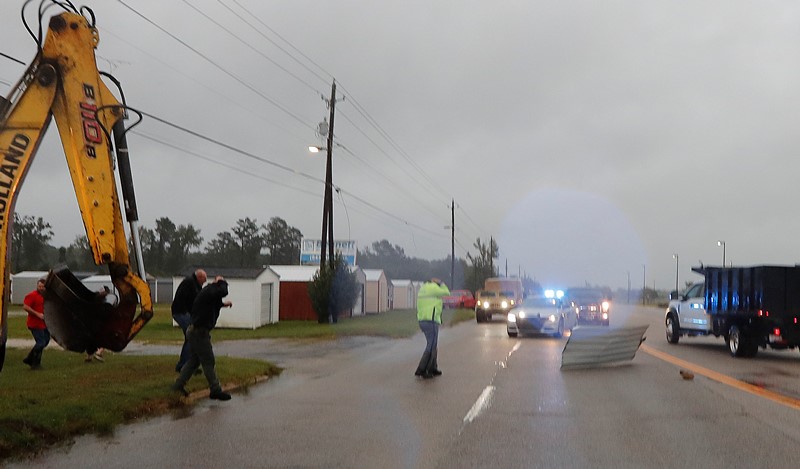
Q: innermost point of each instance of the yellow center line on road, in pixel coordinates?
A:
(724, 379)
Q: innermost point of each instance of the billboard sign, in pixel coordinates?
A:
(310, 250)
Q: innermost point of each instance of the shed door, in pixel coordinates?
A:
(266, 303)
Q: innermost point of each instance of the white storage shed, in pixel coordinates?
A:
(253, 292)
(23, 283)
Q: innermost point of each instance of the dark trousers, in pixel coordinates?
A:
(183, 321)
(201, 354)
(428, 364)
(42, 338)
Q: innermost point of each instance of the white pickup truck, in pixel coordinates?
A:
(686, 315)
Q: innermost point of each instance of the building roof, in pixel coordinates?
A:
(227, 272)
(37, 274)
(295, 273)
(401, 283)
(373, 275)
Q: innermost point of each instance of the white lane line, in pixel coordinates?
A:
(485, 399)
(483, 402)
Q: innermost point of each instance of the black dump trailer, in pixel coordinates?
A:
(753, 307)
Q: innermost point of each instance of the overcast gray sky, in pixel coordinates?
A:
(592, 139)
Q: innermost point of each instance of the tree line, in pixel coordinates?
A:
(167, 248)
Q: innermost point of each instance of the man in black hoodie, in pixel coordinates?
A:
(205, 311)
(182, 309)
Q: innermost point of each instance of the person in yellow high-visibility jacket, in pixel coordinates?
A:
(429, 315)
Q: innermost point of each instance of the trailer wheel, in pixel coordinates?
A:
(672, 329)
(740, 345)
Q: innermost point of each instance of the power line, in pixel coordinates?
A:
(277, 165)
(368, 165)
(358, 107)
(219, 67)
(481, 230)
(13, 59)
(214, 90)
(252, 48)
(402, 168)
(324, 79)
(219, 163)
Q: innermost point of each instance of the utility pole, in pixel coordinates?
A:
(644, 282)
(452, 243)
(327, 204)
(491, 254)
(629, 287)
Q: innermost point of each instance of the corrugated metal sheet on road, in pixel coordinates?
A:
(592, 346)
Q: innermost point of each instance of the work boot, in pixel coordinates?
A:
(219, 395)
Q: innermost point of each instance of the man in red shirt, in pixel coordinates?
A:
(34, 306)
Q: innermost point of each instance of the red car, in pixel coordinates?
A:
(459, 299)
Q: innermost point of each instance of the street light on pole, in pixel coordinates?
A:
(675, 256)
(722, 243)
(326, 251)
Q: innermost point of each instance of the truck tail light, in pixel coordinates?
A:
(777, 331)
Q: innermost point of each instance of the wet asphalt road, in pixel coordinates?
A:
(502, 402)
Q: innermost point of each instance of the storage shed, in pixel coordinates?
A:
(361, 278)
(253, 293)
(23, 283)
(295, 304)
(403, 295)
(377, 291)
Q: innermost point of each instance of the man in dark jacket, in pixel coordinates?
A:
(182, 308)
(205, 312)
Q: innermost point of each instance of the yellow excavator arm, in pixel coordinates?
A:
(63, 82)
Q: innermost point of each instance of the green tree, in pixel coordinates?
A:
(164, 232)
(222, 250)
(78, 255)
(283, 242)
(29, 242)
(183, 239)
(251, 241)
(166, 248)
(482, 264)
(333, 290)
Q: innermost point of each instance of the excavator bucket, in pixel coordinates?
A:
(81, 320)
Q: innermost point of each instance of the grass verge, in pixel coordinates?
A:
(69, 397)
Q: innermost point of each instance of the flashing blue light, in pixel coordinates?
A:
(559, 294)
(549, 294)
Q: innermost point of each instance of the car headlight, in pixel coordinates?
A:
(521, 314)
(511, 317)
(606, 305)
(552, 318)
(605, 316)
(485, 305)
(504, 304)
